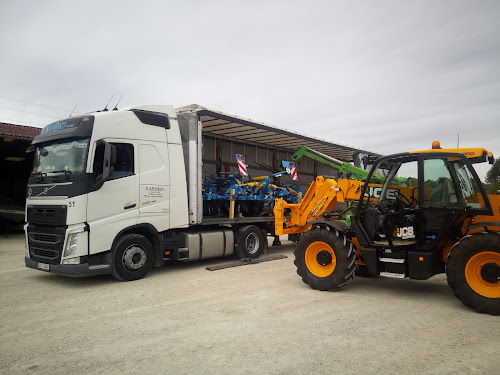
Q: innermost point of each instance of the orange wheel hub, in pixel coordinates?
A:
(482, 273)
(320, 259)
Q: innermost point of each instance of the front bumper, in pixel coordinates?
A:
(73, 270)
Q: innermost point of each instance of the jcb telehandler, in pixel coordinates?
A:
(440, 220)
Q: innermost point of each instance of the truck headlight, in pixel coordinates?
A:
(72, 242)
(71, 245)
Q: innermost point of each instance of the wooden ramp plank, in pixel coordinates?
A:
(245, 261)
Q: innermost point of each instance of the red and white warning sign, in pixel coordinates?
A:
(293, 171)
(241, 165)
(290, 169)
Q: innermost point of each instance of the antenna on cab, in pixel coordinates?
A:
(116, 105)
(106, 108)
(72, 111)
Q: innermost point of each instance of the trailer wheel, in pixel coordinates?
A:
(132, 257)
(325, 259)
(473, 271)
(250, 241)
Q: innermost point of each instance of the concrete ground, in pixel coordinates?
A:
(254, 319)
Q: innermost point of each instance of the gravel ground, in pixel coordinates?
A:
(254, 319)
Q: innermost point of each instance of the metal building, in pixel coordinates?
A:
(15, 167)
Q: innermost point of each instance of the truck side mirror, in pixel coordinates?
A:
(104, 159)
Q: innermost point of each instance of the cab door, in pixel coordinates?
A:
(442, 202)
(398, 205)
(115, 205)
(388, 213)
(450, 192)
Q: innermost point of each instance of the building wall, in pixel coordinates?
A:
(257, 158)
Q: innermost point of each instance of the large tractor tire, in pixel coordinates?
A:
(325, 259)
(132, 257)
(473, 270)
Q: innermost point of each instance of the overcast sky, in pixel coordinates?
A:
(386, 76)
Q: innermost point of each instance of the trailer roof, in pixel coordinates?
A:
(221, 125)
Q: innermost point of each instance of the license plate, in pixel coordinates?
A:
(43, 266)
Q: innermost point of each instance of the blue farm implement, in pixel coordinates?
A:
(253, 196)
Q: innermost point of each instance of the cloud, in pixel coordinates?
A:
(387, 76)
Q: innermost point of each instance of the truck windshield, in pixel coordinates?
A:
(61, 156)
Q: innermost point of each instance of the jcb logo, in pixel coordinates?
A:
(375, 192)
(405, 232)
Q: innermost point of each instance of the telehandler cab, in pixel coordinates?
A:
(440, 220)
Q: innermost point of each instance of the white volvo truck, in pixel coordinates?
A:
(116, 192)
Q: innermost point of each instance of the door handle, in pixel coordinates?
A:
(129, 206)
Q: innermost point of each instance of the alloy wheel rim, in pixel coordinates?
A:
(252, 243)
(481, 279)
(320, 259)
(134, 257)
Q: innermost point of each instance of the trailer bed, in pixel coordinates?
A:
(237, 220)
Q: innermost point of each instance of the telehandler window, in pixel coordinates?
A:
(468, 188)
(390, 198)
(393, 178)
(439, 189)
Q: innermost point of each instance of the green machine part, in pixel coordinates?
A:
(13, 213)
(343, 167)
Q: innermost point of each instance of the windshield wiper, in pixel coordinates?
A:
(38, 175)
(66, 173)
(62, 170)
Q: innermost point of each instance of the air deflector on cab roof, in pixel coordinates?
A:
(152, 118)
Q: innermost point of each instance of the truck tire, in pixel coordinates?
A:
(473, 271)
(132, 257)
(325, 259)
(250, 242)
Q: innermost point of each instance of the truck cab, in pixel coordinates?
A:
(97, 177)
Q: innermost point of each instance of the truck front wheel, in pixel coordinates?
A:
(132, 257)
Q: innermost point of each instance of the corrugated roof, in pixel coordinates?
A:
(221, 125)
(18, 131)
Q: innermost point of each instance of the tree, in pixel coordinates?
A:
(493, 174)
(492, 185)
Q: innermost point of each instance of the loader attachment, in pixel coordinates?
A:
(322, 196)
